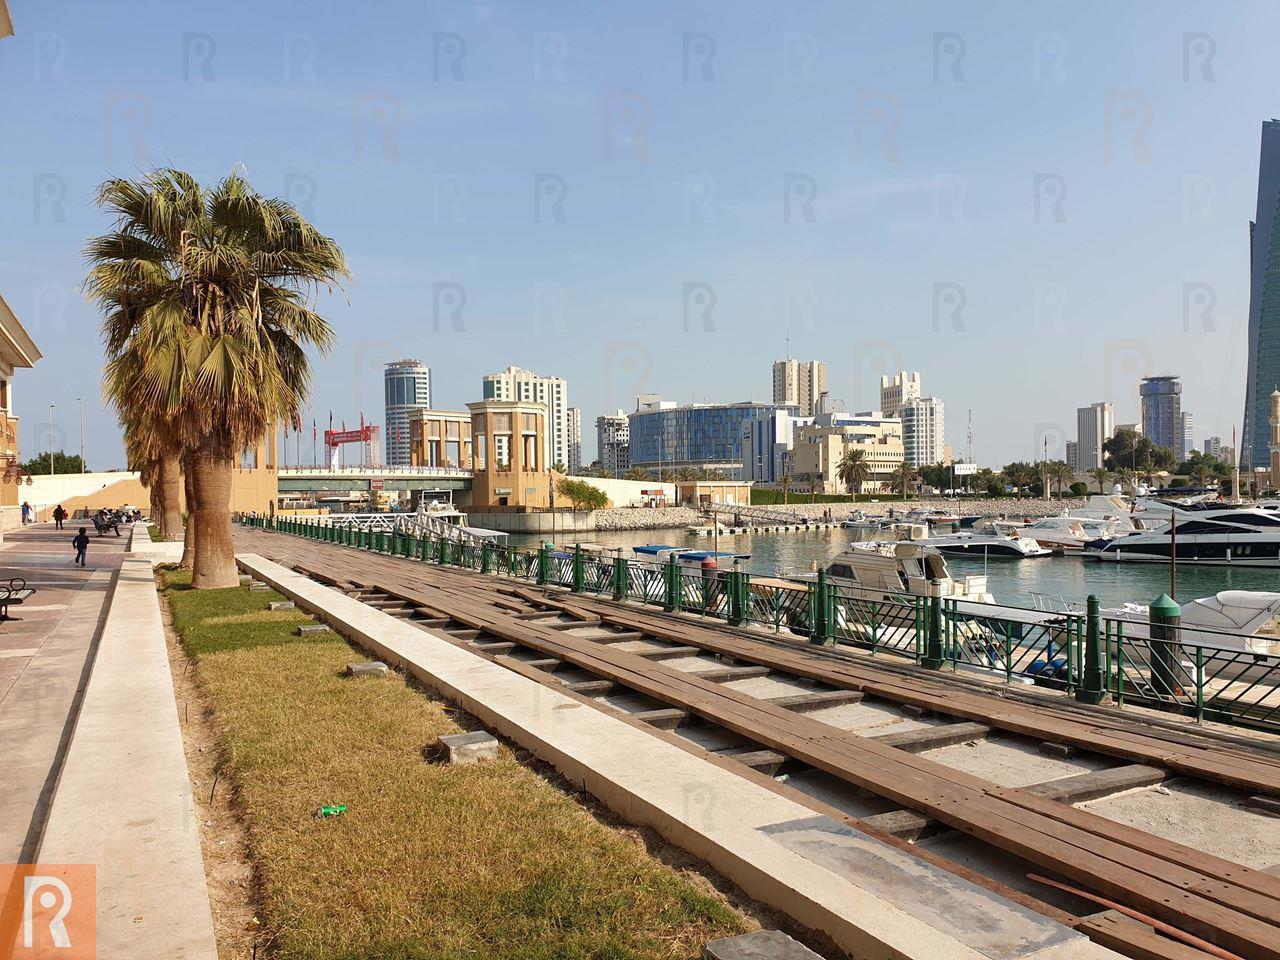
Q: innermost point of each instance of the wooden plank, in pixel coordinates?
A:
(1099, 783)
(931, 738)
(1135, 939)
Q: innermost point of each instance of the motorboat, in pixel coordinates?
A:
(659, 554)
(987, 545)
(881, 530)
(1208, 534)
(1245, 620)
(1066, 534)
(884, 571)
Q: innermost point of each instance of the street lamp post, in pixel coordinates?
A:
(51, 439)
(80, 400)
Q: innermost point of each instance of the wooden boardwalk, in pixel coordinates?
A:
(1227, 904)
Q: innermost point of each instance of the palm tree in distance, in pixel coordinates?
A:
(902, 477)
(207, 298)
(854, 470)
(1061, 474)
(1100, 475)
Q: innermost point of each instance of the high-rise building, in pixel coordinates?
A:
(923, 434)
(1213, 447)
(575, 440)
(799, 383)
(1162, 411)
(1073, 456)
(903, 388)
(1188, 435)
(767, 442)
(1263, 372)
(527, 387)
(1095, 425)
(698, 435)
(407, 388)
(613, 442)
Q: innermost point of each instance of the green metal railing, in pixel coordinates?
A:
(1096, 658)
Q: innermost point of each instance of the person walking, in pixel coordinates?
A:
(58, 516)
(26, 512)
(81, 542)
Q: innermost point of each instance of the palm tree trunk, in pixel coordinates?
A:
(171, 498)
(214, 562)
(189, 538)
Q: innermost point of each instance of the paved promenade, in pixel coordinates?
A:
(44, 655)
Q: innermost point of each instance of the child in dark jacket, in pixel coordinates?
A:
(81, 543)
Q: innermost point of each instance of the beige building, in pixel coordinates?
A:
(440, 438)
(819, 447)
(703, 493)
(509, 461)
(17, 349)
(799, 383)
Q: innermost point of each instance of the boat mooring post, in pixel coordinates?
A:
(1093, 687)
(1167, 675)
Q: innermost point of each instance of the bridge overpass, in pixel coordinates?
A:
(313, 481)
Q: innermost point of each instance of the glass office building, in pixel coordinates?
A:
(407, 387)
(700, 435)
(1162, 412)
(1263, 375)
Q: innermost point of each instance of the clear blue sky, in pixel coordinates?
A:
(1077, 169)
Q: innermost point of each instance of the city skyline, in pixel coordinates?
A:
(970, 248)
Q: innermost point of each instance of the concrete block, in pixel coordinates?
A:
(759, 945)
(257, 587)
(281, 605)
(311, 629)
(469, 747)
(911, 710)
(245, 579)
(1064, 751)
(375, 668)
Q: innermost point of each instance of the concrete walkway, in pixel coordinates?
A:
(45, 656)
(124, 802)
(870, 898)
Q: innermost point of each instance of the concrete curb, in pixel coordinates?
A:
(873, 900)
(124, 800)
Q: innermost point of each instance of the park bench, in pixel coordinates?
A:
(13, 591)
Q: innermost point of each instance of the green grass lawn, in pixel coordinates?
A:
(430, 860)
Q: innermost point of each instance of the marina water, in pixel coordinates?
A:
(1013, 582)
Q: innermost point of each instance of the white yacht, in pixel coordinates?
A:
(1245, 620)
(988, 545)
(1065, 533)
(1207, 534)
(884, 571)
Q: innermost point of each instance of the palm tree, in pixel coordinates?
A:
(785, 482)
(902, 477)
(208, 294)
(1060, 473)
(1101, 475)
(854, 470)
(1202, 473)
(1127, 478)
(635, 473)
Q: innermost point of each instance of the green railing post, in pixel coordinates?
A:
(486, 556)
(579, 571)
(1093, 688)
(671, 586)
(933, 656)
(544, 565)
(1166, 653)
(620, 585)
(818, 609)
(736, 614)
